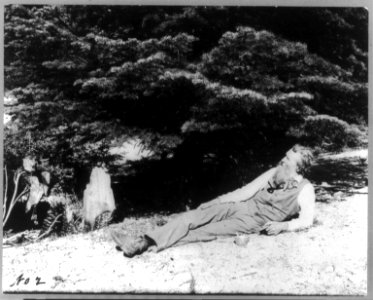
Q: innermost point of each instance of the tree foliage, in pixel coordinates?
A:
(212, 91)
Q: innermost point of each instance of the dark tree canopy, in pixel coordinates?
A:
(212, 91)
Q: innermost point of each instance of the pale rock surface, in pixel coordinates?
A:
(98, 196)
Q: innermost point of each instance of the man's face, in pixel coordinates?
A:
(287, 167)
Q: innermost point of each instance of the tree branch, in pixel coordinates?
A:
(5, 199)
(49, 229)
(15, 198)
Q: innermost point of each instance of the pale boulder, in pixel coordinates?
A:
(98, 196)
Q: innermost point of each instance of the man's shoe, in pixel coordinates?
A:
(129, 245)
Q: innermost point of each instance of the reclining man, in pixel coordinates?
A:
(280, 199)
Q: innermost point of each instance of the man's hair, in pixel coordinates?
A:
(307, 158)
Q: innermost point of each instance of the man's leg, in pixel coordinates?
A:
(230, 227)
(179, 228)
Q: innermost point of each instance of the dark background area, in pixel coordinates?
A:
(219, 94)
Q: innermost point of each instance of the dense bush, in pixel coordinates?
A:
(330, 133)
(217, 94)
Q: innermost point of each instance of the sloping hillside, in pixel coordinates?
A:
(329, 258)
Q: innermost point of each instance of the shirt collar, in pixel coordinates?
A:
(290, 184)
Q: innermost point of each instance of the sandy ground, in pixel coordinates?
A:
(329, 258)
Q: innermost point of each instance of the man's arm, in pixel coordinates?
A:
(243, 193)
(306, 200)
(248, 190)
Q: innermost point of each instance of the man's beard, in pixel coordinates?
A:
(281, 175)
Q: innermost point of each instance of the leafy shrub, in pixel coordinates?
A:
(346, 100)
(330, 133)
(204, 95)
(261, 61)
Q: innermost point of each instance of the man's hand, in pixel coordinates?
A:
(274, 228)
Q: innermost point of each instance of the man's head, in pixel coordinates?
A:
(296, 162)
(306, 158)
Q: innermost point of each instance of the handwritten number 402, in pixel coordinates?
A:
(26, 281)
